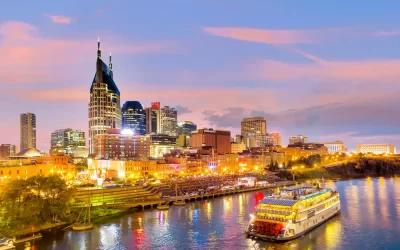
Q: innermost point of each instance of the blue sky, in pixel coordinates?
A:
(328, 70)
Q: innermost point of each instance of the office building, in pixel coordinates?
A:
(67, 138)
(169, 121)
(335, 147)
(7, 150)
(153, 118)
(237, 147)
(184, 131)
(104, 105)
(253, 125)
(27, 131)
(134, 117)
(117, 144)
(376, 148)
(298, 139)
(161, 144)
(219, 140)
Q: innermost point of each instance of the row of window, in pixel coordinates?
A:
(10, 172)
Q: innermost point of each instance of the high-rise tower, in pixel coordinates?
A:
(28, 130)
(104, 104)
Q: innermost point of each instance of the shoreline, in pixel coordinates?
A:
(56, 227)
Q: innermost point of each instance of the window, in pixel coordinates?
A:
(9, 172)
(17, 171)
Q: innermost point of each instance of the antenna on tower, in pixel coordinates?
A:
(98, 48)
(110, 64)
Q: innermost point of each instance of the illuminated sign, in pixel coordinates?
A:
(155, 105)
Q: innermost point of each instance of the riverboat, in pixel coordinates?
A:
(293, 212)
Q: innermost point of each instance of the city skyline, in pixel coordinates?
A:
(328, 81)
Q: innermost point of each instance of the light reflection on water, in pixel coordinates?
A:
(370, 208)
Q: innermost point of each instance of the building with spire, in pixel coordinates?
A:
(104, 105)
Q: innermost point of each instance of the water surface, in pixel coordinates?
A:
(370, 219)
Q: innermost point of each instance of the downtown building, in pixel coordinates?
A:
(169, 121)
(68, 141)
(161, 144)
(184, 131)
(298, 139)
(27, 131)
(153, 118)
(376, 148)
(218, 140)
(104, 105)
(134, 117)
(7, 150)
(121, 145)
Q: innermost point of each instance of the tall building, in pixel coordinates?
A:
(153, 118)
(7, 150)
(298, 139)
(376, 148)
(64, 138)
(104, 105)
(219, 140)
(253, 125)
(27, 131)
(277, 140)
(169, 121)
(117, 144)
(134, 117)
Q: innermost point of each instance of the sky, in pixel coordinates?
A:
(329, 70)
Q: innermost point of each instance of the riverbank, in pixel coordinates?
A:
(357, 168)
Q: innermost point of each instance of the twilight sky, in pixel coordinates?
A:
(326, 69)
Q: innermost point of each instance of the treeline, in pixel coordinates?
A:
(35, 201)
(356, 167)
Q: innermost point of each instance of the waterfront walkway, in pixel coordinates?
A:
(119, 198)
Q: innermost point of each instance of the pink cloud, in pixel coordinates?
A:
(59, 19)
(24, 49)
(274, 36)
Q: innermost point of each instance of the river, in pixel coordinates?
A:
(369, 220)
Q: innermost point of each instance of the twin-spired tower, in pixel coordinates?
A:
(104, 104)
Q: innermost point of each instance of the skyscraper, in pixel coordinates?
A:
(7, 150)
(153, 118)
(104, 105)
(134, 117)
(169, 121)
(253, 125)
(27, 131)
(186, 128)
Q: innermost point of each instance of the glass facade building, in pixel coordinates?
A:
(153, 118)
(169, 121)
(63, 138)
(134, 117)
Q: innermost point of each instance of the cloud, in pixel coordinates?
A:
(386, 33)
(59, 19)
(182, 110)
(229, 117)
(23, 49)
(276, 37)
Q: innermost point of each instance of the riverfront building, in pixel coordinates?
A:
(104, 105)
(161, 144)
(27, 131)
(117, 144)
(376, 148)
